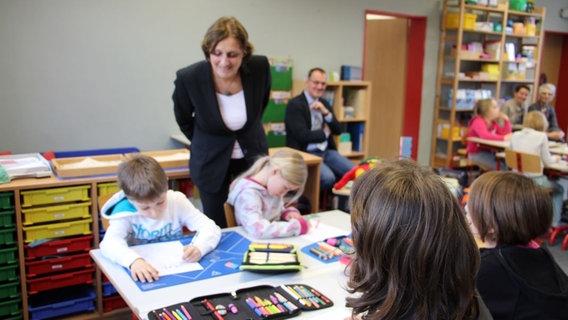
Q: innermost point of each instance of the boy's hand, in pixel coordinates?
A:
(191, 253)
(142, 271)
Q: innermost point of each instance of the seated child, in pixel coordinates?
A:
(517, 279)
(485, 125)
(532, 139)
(257, 196)
(145, 210)
(415, 256)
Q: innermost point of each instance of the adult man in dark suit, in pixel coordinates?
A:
(310, 126)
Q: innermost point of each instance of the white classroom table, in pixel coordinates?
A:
(329, 279)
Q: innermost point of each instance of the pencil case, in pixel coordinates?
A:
(271, 258)
(255, 303)
(331, 249)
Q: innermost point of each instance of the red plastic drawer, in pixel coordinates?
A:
(60, 280)
(113, 302)
(63, 246)
(70, 262)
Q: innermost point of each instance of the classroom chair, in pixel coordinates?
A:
(465, 162)
(230, 215)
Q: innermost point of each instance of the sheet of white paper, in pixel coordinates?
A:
(166, 257)
(321, 231)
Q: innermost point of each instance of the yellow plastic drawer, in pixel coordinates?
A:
(57, 213)
(107, 188)
(55, 195)
(57, 230)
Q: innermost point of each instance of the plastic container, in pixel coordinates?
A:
(7, 218)
(9, 290)
(60, 281)
(8, 236)
(57, 303)
(113, 302)
(6, 200)
(107, 188)
(518, 5)
(55, 195)
(9, 272)
(452, 21)
(10, 308)
(56, 213)
(57, 247)
(57, 230)
(8, 255)
(108, 289)
(58, 264)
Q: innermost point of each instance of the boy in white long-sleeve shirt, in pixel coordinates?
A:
(146, 211)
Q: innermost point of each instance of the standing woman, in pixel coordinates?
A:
(218, 105)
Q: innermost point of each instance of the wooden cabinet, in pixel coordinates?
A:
(35, 277)
(485, 52)
(351, 104)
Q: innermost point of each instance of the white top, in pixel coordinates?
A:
(234, 113)
(128, 227)
(534, 142)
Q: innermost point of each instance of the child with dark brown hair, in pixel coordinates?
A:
(415, 256)
(517, 279)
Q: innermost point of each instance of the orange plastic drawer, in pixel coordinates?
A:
(57, 213)
(55, 195)
(57, 247)
(66, 263)
(60, 280)
(57, 230)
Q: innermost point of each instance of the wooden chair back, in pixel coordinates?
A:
(523, 162)
(230, 215)
(101, 201)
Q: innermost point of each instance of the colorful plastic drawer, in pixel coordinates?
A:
(8, 255)
(56, 303)
(66, 263)
(57, 230)
(108, 289)
(55, 195)
(60, 280)
(9, 272)
(8, 236)
(57, 213)
(6, 200)
(113, 302)
(9, 290)
(107, 188)
(7, 218)
(57, 247)
(10, 308)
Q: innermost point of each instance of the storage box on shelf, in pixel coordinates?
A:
(482, 56)
(65, 211)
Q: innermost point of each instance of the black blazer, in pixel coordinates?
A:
(298, 121)
(197, 113)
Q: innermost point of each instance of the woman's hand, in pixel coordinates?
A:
(191, 253)
(142, 271)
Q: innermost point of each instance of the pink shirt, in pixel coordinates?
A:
(478, 128)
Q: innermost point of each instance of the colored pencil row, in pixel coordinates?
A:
(307, 296)
(173, 314)
(265, 307)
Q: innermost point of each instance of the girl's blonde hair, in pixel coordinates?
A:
(483, 106)
(292, 168)
(535, 120)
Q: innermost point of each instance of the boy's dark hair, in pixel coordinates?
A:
(509, 208)
(142, 178)
(415, 255)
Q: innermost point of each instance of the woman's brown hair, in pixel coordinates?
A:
(415, 256)
(508, 208)
(223, 28)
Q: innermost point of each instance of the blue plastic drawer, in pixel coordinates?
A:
(56, 303)
(108, 289)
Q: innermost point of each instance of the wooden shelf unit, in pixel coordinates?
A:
(450, 114)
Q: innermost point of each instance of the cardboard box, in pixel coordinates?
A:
(86, 166)
(175, 158)
(465, 54)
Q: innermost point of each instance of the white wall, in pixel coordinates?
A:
(83, 74)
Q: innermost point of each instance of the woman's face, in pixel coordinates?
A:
(226, 58)
(545, 95)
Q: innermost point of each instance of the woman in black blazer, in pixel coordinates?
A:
(218, 105)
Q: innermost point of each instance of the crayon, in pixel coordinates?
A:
(253, 307)
(169, 314)
(321, 296)
(187, 315)
(166, 316)
(174, 313)
(285, 302)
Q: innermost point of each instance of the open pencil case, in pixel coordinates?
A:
(256, 303)
(271, 258)
(331, 249)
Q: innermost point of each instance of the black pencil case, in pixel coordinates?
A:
(257, 303)
(271, 258)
